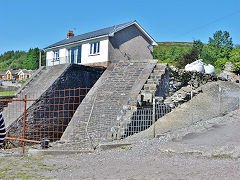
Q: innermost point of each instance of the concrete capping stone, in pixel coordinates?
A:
(42, 152)
(112, 146)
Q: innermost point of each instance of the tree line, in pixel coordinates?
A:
(21, 59)
(218, 51)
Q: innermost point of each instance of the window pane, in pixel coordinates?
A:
(56, 55)
(72, 55)
(79, 54)
(98, 47)
(95, 48)
(91, 48)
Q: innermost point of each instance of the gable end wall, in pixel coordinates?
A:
(129, 43)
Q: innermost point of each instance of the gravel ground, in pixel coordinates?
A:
(175, 155)
(204, 150)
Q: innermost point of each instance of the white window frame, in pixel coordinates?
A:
(55, 55)
(92, 46)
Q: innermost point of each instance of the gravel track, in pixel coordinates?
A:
(176, 155)
(204, 150)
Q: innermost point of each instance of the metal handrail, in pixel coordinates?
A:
(89, 117)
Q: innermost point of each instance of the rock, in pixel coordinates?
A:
(222, 76)
(229, 67)
(186, 89)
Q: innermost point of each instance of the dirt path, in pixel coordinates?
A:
(139, 161)
(121, 164)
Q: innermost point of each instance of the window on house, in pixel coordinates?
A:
(56, 55)
(95, 48)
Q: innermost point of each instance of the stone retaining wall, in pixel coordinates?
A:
(74, 77)
(103, 108)
(182, 83)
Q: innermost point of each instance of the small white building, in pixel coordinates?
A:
(99, 48)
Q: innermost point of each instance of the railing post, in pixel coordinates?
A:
(24, 120)
(40, 58)
(153, 119)
(220, 100)
(191, 103)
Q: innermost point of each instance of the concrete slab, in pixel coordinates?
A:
(112, 146)
(42, 152)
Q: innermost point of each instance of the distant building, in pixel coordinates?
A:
(11, 75)
(2, 75)
(99, 48)
(18, 75)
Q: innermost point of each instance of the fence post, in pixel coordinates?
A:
(153, 119)
(238, 102)
(24, 120)
(220, 103)
(191, 103)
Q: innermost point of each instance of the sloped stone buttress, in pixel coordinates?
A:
(103, 107)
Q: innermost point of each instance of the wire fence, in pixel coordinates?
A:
(46, 118)
(198, 109)
(143, 118)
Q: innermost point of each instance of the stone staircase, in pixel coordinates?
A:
(156, 86)
(33, 88)
(104, 106)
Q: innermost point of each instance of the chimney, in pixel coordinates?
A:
(70, 34)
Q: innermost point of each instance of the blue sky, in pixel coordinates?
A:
(27, 23)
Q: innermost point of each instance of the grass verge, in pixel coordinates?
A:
(7, 93)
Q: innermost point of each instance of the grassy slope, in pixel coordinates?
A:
(167, 52)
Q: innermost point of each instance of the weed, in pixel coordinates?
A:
(126, 148)
(221, 156)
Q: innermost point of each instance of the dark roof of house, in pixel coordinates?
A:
(27, 71)
(93, 34)
(14, 72)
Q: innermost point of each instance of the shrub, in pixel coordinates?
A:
(187, 58)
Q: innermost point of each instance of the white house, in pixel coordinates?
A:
(99, 48)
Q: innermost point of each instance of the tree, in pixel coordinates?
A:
(218, 50)
(192, 55)
(187, 58)
(235, 58)
(31, 60)
(221, 43)
(198, 45)
(208, 55)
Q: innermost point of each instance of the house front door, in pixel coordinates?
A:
(75, 54)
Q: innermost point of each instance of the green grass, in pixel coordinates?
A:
(222, 156)
(23, 81)
(168, 61)
(126, 148)
(25, 167)
(7, 93)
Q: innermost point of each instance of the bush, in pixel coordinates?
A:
(169, 54)
(220, 64)
(187, 58)
(237, 67)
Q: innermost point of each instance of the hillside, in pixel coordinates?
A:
(177, 44)
(168, 52)
(21, 60)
